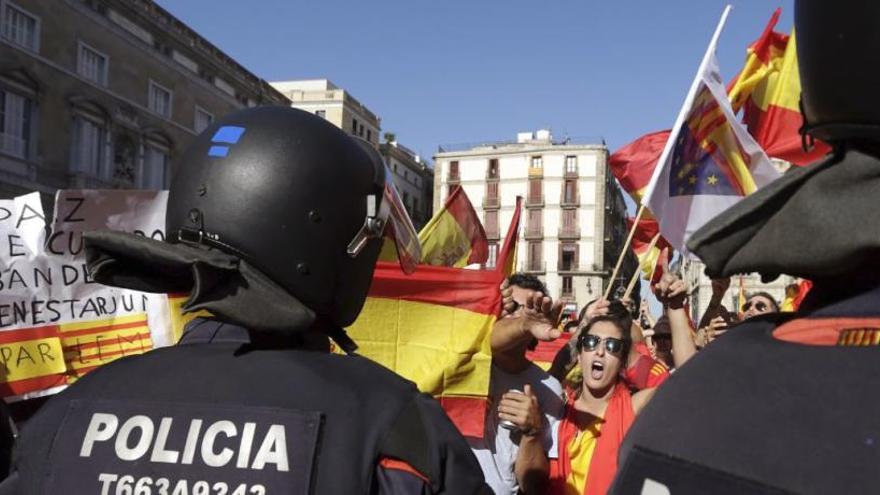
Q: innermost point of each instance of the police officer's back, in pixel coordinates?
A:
(788, 403)
(274, 221)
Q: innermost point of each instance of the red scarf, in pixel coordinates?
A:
(619, 416)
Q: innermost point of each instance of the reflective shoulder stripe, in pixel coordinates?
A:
(398, 465)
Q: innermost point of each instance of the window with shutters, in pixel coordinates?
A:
(92, 64)
(20, 27)
(15, 123)
(535, 228)
(536, 191)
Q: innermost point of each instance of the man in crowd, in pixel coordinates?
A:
(250, 400)
(525, 401)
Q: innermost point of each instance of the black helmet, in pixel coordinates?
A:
(838, 45)
(295, 197)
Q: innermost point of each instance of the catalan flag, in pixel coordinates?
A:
(710, 161)
(768, 89)
(38, 360)
(433, 327)
(454, 236)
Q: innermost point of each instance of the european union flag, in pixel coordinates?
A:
(695, 171)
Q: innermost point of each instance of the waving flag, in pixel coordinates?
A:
(633, 165)
(710, 161)
(454, 236)
(433, 328)
(768, 89)
(646, 249)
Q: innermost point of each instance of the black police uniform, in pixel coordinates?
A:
(274, 223)
(222, 412)
(787, 403)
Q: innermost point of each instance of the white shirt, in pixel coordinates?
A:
(496, 451)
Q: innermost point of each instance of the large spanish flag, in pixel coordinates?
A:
(768, 89)
(433, 328)
(454, 236)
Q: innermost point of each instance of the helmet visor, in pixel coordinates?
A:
(390, 220)
(400, 228)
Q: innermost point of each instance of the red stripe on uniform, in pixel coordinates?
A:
(397, 464)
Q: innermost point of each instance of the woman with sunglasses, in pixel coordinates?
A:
(599, 411)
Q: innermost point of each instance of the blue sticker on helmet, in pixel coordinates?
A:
(227, 134)
(218, 151)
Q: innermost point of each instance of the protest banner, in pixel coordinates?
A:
(56, 324)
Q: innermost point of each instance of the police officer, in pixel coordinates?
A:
(274, 223)
(789, 403)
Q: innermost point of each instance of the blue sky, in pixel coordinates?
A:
(458, 71)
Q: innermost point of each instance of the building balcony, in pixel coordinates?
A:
(534, 233)
(571, 174)
(493, 234)
(534, 201)
(536, 172)
(572, 202)
(566, 295)
(491, 202)
(534, 267)
(569, 233)
(575, 269)
(453, 178)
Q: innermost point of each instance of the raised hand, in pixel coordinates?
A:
(541, 316)
(671, 290)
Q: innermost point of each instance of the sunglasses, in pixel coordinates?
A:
(759, 305)
(590, 342)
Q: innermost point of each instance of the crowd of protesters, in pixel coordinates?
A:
(557, 431)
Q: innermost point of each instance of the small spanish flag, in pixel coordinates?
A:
(768, 89)
(454, 236)
(648, 250)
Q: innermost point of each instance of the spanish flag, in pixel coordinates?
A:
(768, 90)
(454, 236)
(433, 327)
(633, 165)
(647, 249)
(795, 294)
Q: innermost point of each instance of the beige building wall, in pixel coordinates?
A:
(85, 71)
(575, 281)
(322, 97)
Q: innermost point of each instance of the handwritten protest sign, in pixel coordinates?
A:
(56, 324)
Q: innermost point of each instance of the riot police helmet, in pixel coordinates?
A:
(837, 46)
(295, 197)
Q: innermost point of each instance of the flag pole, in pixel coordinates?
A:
(632, 281)
(623, 251)
(692, 91)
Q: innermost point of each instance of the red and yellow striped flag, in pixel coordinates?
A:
(41, 358)
(433, 328)
(768, 89)
(454, 236)
(646, 249)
